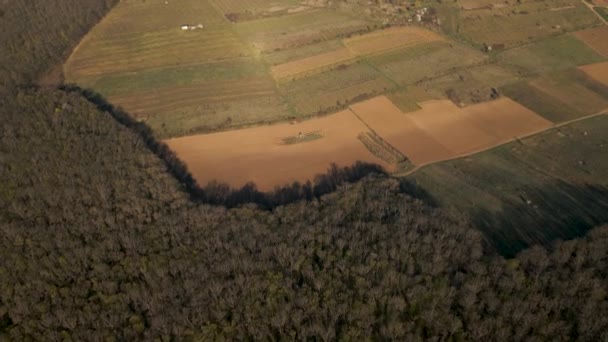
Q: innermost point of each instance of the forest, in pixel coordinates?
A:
(103, 238)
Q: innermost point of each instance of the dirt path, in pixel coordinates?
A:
(566, 123)
(594, 12)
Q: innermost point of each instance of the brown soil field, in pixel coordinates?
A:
(597, 71)
(390, 39)
(307, 64)
(596, 38)
(441, 130)
(164, 99)
(258, 155)
(396, 128)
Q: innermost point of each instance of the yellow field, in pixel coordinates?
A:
(389, 39)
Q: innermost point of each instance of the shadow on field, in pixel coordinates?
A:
(558, 211)
(218, 193)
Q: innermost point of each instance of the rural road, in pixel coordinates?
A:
(562, 124)
(594, 12)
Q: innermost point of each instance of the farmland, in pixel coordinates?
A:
(260, 154)
(598, 72)
(441, 130)
(518, 193)
(523, 22)
(416, 85)
(595, 38)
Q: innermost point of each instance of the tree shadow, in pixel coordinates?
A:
(557, 211)
(219, 193)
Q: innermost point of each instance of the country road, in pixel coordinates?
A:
(565, 123)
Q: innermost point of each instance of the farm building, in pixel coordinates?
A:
(185, 27)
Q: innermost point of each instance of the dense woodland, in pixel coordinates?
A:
(100, 241)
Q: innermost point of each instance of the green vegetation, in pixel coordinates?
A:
(560, 96)
(409, 65)
(531, 191)
(603, 11)
(520, 22)
(551, 54)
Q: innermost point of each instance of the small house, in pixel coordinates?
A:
(185, 27)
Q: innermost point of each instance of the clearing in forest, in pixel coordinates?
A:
(442, 130)
(261, 155)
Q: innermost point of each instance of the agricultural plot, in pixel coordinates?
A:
(228, 7)
(260, 154)
(511, 25)
(424, 61)
(596, 38)
(514, 199)
(121, 43)
(441, 130)
(560, 96)
(389, 39)
(334, 89)
(284, 56)
(295, 30)
(367, 44)
(317, 63)
(207, 106)
(407, 99)
(124, 84)
(556, 53)
(598, 72)
(471, 85)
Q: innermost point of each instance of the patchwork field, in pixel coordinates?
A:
(595, 38)
(598, 72)
(334, 89)
(515, 23)
(530, 191)
(424, 61)
(260, 154)
(359, 46)
(556, 53)
(396, 85)
(299, 29)
(441, 130)
(562, 96)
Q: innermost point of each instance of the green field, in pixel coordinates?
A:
(531, 191)
(518, 23)
(556, 53)
(603, 11)
(424, 61)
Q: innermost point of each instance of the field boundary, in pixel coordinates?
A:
(554, 126)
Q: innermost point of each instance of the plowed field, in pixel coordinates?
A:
(441, 130)
(597, 71)
(258, 154)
